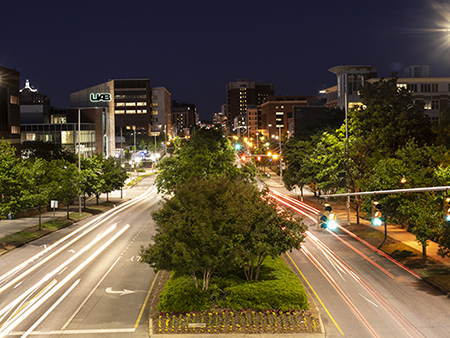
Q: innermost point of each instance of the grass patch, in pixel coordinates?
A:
(58, 224)
(19, 237)
(76, 215)
(278, 288)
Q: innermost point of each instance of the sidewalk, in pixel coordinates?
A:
(10, 226)
(393, 231)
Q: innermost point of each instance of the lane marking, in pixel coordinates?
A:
(89, 295)
(145, 301)
(317, 296)
(67, 332)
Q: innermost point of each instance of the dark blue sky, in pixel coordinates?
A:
(194, 48)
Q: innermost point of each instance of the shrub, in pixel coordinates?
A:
(180, 294)
(278, 288)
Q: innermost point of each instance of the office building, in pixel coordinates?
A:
(9, 106)
(161, 112)
(350, 79)
(34, 106)
(242, 93)
(184, 117)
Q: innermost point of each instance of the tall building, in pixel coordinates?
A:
(242, 93)
(184, 117)
(9, 106)
(277, 112)
(350, 79)
(34, 106)
(161, 112)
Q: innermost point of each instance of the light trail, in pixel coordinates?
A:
(106, 216)
(396, 316)
(27, 333)
(25, 313)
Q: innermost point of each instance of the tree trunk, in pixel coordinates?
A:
(192, 273)
(107, 197)
(68, 210)
(258, 266)
(39, 208)
(424, 251)
(357, 211)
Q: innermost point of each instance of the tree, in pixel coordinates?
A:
(206, 154)
(41, 186)
(12, 181)
(412, 167)
(218, 223)
(46, 150)
(389, 118)
(113, 175)
(69, 181)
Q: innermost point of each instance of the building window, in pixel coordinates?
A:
(154, 112)
(120, 104)
(431, 104)
(119, 111)
(130, 104)
(429, 87)
(412, 87)
(13, 99)
(155, 104)
(15, 130)
(142, 103)
(131, 111)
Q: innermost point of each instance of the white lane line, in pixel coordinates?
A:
(89, 295)
(67, 332)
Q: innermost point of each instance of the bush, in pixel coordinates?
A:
(180, 294)
(278, 288)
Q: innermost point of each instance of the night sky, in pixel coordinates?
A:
(194, 48)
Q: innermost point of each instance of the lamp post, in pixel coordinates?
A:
(281, 162)
(79, 156)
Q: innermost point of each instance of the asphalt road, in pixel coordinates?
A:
(85, 280)
(363, 294)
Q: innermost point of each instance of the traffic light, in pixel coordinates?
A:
(376, 214)
(327, 219)
(447, 209)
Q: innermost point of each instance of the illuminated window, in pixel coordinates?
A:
(155, 104)
(119, 111)
(130, 104)
(154, 112)
(142, 103)
(120, 104)
(131, 111)
(13, 99)
(15, 130)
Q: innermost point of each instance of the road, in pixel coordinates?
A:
(85, 279)
(359, 292)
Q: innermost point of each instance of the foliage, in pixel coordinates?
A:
(389, 119)
(46, 150)
(12, 183)
(279, 288)
(206, 154)
(420, 212)
(220, 223)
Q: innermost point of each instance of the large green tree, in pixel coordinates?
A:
(12, 180)
(206, 154)
(218, 223)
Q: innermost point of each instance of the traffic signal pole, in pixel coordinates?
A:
(386, 192)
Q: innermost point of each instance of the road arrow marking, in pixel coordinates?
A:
(121, 293)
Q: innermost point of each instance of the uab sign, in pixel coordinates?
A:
(100, 97)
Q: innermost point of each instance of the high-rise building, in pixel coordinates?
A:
(161, 112)
(184, 116)
(350, 80)
(242, 93)
(9, 106)
(34, 106)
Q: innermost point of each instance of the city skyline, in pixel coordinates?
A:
(195, 49)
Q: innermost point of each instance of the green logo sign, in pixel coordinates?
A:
(100, 97)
